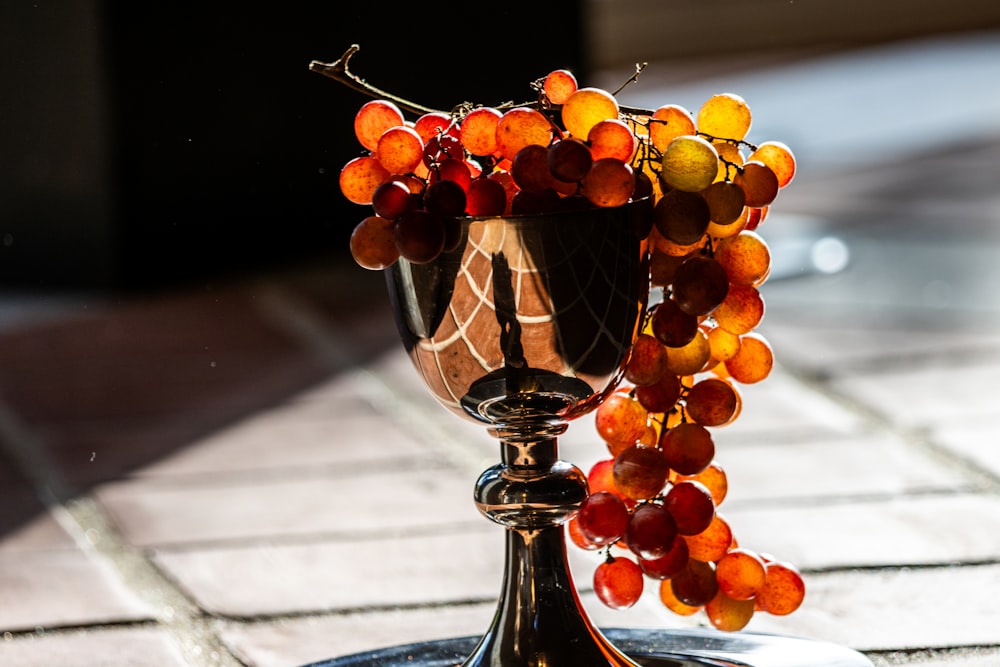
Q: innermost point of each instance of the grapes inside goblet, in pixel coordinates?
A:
(524, 327)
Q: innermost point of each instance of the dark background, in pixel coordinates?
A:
(151, 144)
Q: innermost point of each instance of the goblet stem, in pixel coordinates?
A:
(539, 619)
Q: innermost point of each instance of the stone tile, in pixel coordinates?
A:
(896, 608)
(26, 524)
(131, 647)
(291, 578)
(295, 642)
(922, 395)
(908, 530)
(974, 439)
(345, 504)
(829, 467)
(60, 588)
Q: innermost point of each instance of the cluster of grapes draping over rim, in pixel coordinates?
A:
(652, 512)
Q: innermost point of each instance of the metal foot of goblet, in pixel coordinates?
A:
(525, 327)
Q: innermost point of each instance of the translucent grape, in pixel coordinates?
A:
(688, 448)
(530, 168)
(712, 543)
(723, 344)
(651, 531)
(445, 198)
(668, 564)
(420, 236)
(392, 199)
(612, 138)
(741, 574)
(758, 182)
(601, 478)
(374, 118)
(609, 182)
(520, 127)
(779, 158)
(361, 177)
(478, 131)
(577, 536)
(661, 396)
(647, 361)
(715, 480)
(728, 614)
(569, 160)
(700, 284)
(670, 601)
(691, 505)
(585, 108)
(711, 402)
(783, 591)
(681, 217)
(669, 122)
(441, 147)
(741, 311)
(689, 163)
(724, 116)
(725, 200)
(618, 582)
(620, 420)
(691, 357)
(641, 472)
(399, 150)
(559, 85)
(671, 325)
(373, 243)
(603, 518)
(754, 360)
(695, 584)
(746, 258)
(452, 169)
(487, 197)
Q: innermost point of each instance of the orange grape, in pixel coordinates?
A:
(724, 116)
(779, 158)
(478, 131)
(530, 168)
(667, 123)
(689, 163)
(783, 589)
(689, 448)
(373, 243)
(668, 564)
(559, 85)
(711, 402)
(361, 177)
(712, 543)
(715, 480)
(759, 183)
(741, 574)
(754, 360)
(729, 614)
(609, 182)
(620, 419)
(520, 127)
(670, 601)
(603, 518)
(432, 124)
(691, 357)
(618, 582)
(722, 344)
(585, 108)
(741, 311)
(577, 537)
(661, 396)
(646, 362)
(399, 149)
(374, 118)
(612, 138)
(746, 258)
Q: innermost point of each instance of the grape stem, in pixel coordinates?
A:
(338, 71)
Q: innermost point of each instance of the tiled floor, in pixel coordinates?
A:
(250, 473)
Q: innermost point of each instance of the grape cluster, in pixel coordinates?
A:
(652, 508)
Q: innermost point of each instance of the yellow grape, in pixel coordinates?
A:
(723, 344)
(667, 123)
(779, 158)
(478, 131)
(728, 153)
(559, 85)
(724, 116)
(520, 127)
(746, 258)
(691, 358)
(587, 107)
(374, 118)
(689, 164)
(728, 614)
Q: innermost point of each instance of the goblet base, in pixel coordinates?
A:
(691, 647)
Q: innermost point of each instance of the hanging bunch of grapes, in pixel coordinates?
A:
(652, 509)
